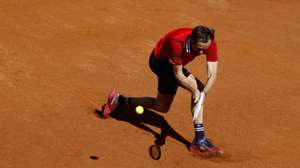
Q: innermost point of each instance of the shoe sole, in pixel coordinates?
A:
(196, 149)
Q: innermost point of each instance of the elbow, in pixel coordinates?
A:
(215, 76)
(212, 76)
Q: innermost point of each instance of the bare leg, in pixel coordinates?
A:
(161, 103)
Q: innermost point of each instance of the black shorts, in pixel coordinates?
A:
(167, 82)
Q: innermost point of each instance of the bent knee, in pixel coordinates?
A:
(163, 109)
(164, 102)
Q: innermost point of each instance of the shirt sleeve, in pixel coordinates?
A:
(211, 52)
(175, 48)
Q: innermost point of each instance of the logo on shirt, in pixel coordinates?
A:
(188, 46)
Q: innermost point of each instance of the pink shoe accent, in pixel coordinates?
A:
(111, 104)
(207, 147)
(195, 148)
(214, 150)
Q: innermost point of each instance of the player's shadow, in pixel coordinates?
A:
(127, 114)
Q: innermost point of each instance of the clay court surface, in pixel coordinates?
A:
(59, 60)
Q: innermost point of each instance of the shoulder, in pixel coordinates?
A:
(178, 36)
(180, 33)
(213, 44)
(212, 47)
(211, 52)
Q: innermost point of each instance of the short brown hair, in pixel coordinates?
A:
(202, 34)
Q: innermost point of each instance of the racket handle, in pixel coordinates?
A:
(198, 106)
(196, 110)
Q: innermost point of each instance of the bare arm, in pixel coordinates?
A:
(189, 82)
(212, 68)
(212, 75)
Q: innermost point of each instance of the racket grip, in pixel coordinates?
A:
(196, 110)
(198, 106)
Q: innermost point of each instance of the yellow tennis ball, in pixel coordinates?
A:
(139, 109)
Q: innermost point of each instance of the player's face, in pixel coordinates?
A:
(198, 46)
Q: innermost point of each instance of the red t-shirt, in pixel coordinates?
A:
(176, 47)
